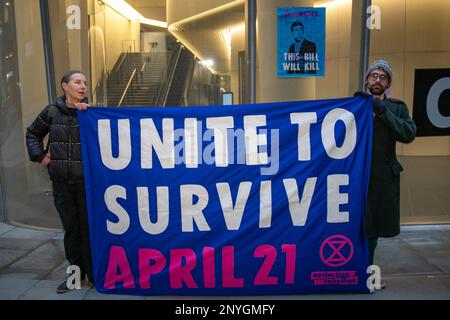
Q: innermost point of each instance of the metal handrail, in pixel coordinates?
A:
(123, 58)
(126, 89)
(164, 75)
(162, 82)
(187, 83)
(120, 63)
(172, 74)
(99, 82)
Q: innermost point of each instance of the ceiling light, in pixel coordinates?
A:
(207, 13)
(329, 4)
(207, 63)
(152, 22)
(238, 28)
(123, 8)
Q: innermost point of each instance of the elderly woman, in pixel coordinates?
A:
(62, 158)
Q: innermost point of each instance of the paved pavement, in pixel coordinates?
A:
(414, 265)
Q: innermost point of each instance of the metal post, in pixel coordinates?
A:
(365, 44)
(250, 13)
(48, 53)
(2, 206)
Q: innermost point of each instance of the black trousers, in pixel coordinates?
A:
(373, 242)
(70, 202)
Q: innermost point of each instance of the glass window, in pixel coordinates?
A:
(193, 53)
(26, 191)
(414, 36)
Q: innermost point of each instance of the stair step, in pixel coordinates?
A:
(144, 88)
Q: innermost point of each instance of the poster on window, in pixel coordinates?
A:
(301, 42)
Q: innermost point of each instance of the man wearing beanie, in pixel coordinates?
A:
(391, 123)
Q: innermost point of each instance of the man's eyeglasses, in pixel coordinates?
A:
(375, 76)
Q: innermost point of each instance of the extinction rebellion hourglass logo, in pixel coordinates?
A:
(335, 251)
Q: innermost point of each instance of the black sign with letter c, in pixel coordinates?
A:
(431, 111)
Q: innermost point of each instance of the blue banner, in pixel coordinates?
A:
(301, 42)
(238, 200)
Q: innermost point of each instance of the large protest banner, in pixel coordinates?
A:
(236, 200)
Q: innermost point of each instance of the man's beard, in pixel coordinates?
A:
(377, 89)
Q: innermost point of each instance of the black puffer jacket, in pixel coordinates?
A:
(61, 123)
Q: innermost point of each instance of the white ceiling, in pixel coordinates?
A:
(204, 35)
(150, 9)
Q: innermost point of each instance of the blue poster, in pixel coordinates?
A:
(301, 42)
(244, 200)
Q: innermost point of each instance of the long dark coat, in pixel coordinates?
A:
(383, 205)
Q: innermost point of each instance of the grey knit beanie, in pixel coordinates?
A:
(380, 64)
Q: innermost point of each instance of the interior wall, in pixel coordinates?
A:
(97, 42)
(177, 11)
(60, 43)
(70, 47)
(271, 88)
(237, 44)
(413, 35)
(110, 34)
(32, 73)
(338, 42)
(26, 183)
(78, 39)
(31, 60)
(154, 9)
(119, 35)
(156, 37)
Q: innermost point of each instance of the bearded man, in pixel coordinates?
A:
(391, 123)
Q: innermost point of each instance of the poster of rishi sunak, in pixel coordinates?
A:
(301, 42)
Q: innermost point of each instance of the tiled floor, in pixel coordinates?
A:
(415, 265)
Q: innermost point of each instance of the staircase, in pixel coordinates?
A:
(136, 79)
(142, 79)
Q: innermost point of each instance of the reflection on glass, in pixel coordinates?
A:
(26, 192)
